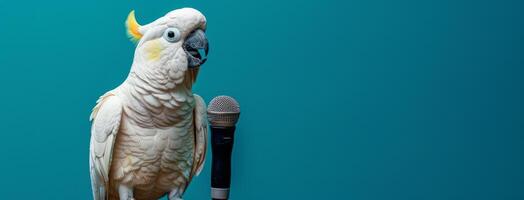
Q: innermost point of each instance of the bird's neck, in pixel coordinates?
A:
(157, 103)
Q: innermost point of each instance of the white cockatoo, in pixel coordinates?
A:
(149, 135)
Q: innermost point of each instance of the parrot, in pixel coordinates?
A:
(149, 134)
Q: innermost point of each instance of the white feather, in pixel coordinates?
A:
(106, 121)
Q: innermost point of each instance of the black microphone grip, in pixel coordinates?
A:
(222, 139)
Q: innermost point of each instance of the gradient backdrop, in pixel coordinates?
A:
(368, 100)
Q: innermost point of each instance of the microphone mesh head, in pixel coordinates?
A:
(223, 111)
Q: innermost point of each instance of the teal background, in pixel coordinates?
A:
(375, 99)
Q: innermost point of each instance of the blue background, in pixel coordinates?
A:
(374, 99)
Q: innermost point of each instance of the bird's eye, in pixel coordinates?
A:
(172, 35)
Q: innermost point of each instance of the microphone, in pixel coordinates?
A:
(223, 113)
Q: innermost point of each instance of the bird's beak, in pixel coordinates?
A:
(196, 47)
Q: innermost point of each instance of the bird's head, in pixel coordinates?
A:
(173, 45)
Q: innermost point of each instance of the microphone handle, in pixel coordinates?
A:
(222, 139)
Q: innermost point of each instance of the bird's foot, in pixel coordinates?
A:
(125, 192)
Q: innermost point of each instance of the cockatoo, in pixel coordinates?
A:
(149, 135)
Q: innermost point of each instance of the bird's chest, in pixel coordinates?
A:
(162, 109)
(143, 156)
(152, 143)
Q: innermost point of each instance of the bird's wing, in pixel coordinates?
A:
(106, 117)
(200, 123)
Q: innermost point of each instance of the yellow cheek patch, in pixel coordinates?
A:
(153, 50)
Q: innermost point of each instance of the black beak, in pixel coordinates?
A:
(196, 47)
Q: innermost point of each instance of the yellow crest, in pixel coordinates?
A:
(133, 27)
